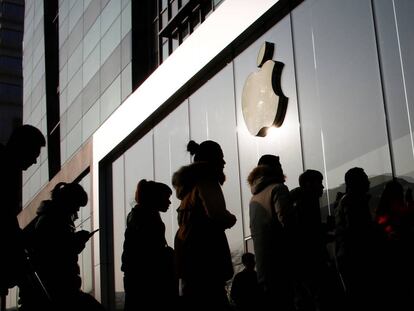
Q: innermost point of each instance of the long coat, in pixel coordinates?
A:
(203, 253)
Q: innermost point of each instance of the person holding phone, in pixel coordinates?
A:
(57, 246)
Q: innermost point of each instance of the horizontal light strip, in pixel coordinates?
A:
(220, 29)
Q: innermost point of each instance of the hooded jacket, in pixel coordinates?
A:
(269, 208)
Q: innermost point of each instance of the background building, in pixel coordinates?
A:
(11, 81)
(115, 108)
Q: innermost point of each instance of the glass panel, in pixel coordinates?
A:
(283, 141)
(335, 113)
(184, 30)
(164, 19)
(217, 3)
(111, 98)
(212, 116)
(111, 11)
(173, 8)
(170, 138)
(91, 38)
(165, 49)
(126, 172)
(164, 4)
(206, 9)
(195, 19)
(119, 219)
(111, 40)
(396, 49)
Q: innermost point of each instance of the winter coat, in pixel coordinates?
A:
(269, 210)
(307, 233)
(355, 230)
(56, 249)
(12, 259)
(201, 244)
(147, 261)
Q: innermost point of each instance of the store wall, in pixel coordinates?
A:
(346, 72)
(394, 26)
(343, 121)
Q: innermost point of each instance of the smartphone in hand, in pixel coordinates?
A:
(93, 232)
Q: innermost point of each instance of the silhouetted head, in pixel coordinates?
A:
(393, 195)
(270, 160)
(153, 194)
(24, 145)
(311, 182)
(273, 162)
(69, 197)
(356, 181)
(208, 151)
(248, 260)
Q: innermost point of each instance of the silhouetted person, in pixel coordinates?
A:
(309, 238)
(147, 260)
(20, 152)
(395, 217)
(57, 246)
(357, 243)
(245, 290)
(270, 208)
(393, 213)
(203, 254)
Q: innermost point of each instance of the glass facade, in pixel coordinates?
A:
(94, 73)
(347, 71)
(337, 115)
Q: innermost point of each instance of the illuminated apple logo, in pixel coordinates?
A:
(263, 102)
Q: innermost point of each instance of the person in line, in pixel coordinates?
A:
(147, 260)
(309, 237)
(203, 255)
(20, 152)
(395, 219)
(57, 246)
(270, 209)
(245, 290)
(358, 244)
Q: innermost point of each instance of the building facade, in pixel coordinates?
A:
(11, 81)
(119, 88)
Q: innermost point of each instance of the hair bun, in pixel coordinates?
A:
(192, 147)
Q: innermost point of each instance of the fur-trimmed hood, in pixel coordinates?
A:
(262, 176)
(187, 177)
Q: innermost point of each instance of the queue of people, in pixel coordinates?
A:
(291, 268)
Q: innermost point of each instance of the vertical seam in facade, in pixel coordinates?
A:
(123, 189)
(238, 153)
(153, 152)
(188, 116)
(326, 173)
(318, 96)
(403, 76)
(383, 92)
(296, 89)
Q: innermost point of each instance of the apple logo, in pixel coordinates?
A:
(263, 102)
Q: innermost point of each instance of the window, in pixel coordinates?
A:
(184, 16)
(156, 35)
